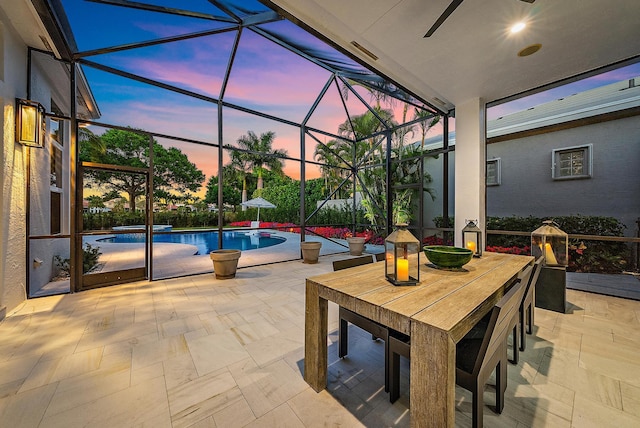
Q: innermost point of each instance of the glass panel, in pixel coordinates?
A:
(439, 199)
(56, 130)
(203, 6)
(56, 213)
(330, 111)
(571, 163)
(257, 134)
(111, 25)
(113, 200)
(185, 209)
(127, 102)
(196, 65)
(117, 252)
(288, 84)
(49, 271)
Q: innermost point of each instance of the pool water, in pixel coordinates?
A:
(205, 241)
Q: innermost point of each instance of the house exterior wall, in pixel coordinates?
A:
(527, 186)
(40, 190)
(13, 83)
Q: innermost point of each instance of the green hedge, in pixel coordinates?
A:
(177, 219)
(597, 257)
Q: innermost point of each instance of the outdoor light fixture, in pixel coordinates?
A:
(472, 237)
(551, 243)
(29, 123)
(516, 28)
(402, 257)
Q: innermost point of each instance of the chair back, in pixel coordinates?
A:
(500, 320)
(537, 267)
(347, 263)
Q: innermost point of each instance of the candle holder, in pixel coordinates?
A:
(402, 257)
(472, 238)
(551, 243)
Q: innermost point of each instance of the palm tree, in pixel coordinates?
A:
(260, 155)
(92, 144)
(240, 164)
(425, 124)
(333, 167)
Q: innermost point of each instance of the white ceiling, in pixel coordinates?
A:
(472, 55)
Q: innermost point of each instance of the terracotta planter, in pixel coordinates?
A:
(225, 263)
(310, 251)
(356, 245)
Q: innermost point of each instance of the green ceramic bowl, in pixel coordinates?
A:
(447, 257)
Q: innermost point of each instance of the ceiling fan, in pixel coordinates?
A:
(448, 11)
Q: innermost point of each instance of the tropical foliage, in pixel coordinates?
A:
(255, 156)
(363, 148)
(174, 176)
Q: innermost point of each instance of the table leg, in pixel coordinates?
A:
(315, 338)
(433, 377)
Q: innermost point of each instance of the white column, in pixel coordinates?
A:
(470, 169)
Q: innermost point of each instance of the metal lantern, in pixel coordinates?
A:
(551, 243)
(402, 265)
(29, 123)
(472, 238)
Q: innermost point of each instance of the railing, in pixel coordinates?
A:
(634, 241)
(635, 257)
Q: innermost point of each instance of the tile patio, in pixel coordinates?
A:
(199, 352)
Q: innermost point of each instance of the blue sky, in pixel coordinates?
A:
(265, 77)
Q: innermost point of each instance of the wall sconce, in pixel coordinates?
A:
(29, 123)
(402, 266)
(472, 238)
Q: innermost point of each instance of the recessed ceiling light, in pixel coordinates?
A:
(530, 50)
(516, 28)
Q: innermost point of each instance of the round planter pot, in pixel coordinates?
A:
(356, 245)
(225, 263)
(310, 251)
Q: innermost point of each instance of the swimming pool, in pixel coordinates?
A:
(205, 241)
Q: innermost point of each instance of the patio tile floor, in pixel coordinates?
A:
(200, 352)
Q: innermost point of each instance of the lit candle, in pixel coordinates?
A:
(402, 269)
(548, 255)
(471, 246)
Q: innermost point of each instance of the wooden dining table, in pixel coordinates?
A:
(436, 313)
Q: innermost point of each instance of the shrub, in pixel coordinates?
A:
(584, 256)
(90, 256)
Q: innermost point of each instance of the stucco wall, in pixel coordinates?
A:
(12, 211)
(528, 188)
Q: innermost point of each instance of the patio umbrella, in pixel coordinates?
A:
(258, 203)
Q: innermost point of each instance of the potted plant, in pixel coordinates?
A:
(225, 263)
(356, 245)
(310, 251)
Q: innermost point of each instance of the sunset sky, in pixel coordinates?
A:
(265, 77)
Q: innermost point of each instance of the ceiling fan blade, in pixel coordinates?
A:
(448, 11)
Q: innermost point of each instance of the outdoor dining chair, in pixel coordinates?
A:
(478, 353)
(378, 331)
(514, 322)
(528, 305)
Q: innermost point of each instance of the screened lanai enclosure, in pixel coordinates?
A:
(165, 116)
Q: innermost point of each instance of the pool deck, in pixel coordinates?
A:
(172, 260)
(176, 260)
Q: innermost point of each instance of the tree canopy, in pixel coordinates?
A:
(173, 173)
